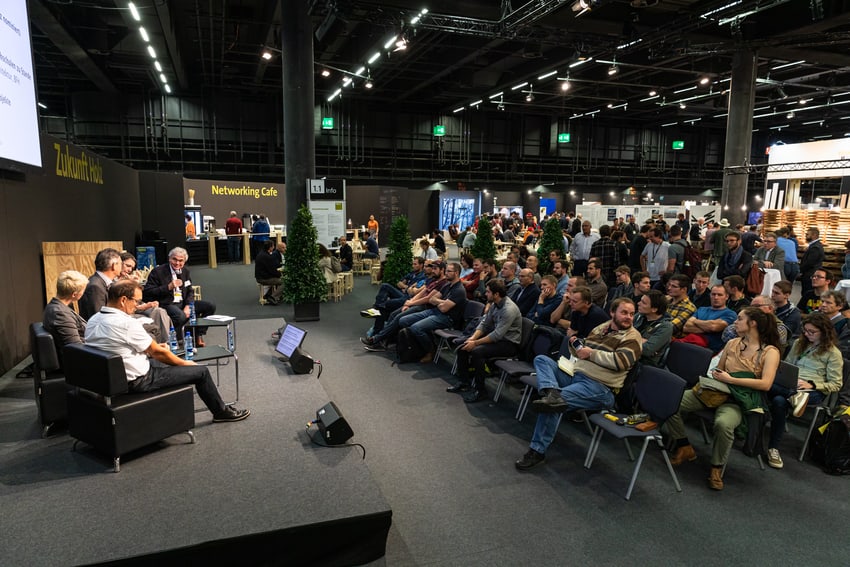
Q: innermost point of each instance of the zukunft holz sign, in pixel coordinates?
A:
(327, 204)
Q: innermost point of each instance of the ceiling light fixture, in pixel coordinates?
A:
(143, 32)
(336, 94)
(653, 92)
(530, 96)
(374, 57)
(390, 42)
(456, 110)
(704, 81)
(565, 85)
(162, 78)
(682, 105)
(790, 115)
(368, 84)
(498, 94)
(519, 86)
(158, 66)
(326, 73)
(400, 44)
(134, 12)
(613, 69)
(167, 89)
(42, 105)
(267, 55)
(546, 75)
(582, 6)
(152, 52)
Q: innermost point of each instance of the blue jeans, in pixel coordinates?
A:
(792, 271)
(579, 391)
(423, 323)
(234, 248)
(779, 406)
(392, 326)
(386, 292)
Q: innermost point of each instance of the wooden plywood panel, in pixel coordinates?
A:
(62, 256)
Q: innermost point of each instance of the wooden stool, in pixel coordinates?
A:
(197, 290)
(348, 281)
(376, 270)
(262, 293)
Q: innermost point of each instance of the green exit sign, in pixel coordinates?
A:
(564, 138)
(328, 123)
(678, 144)
(439, 130)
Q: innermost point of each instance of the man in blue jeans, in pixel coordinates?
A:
(390, 297)
(607, 355)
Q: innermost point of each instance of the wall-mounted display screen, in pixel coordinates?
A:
(19, 138)
(458, 207)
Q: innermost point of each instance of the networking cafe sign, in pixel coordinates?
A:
(244, 190)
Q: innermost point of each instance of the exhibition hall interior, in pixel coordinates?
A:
(195, 138)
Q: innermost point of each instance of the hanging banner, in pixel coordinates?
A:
(326, 198)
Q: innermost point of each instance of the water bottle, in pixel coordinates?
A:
(188, 344)
(230, 346)
(192, 318)
(172, 339)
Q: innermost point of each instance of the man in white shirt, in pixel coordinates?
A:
(114, 330)
(580, 249)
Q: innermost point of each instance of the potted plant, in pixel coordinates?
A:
(303, 283)
(400, 253)
(553, 239)
(484, 247)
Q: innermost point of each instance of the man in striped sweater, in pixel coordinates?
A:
(607, 355)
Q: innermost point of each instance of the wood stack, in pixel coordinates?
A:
(834, 226)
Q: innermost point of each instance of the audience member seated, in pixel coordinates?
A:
(821, 281)
(595, 282)
(562, 313)
(279, 254)
(527, 293)
(770, 256)
(735, 287)
(509, 275)
(748, 366)
(680, 307)
(128, 268)
(418, 302)
(832, 303)
(736, 261)
(114, 330)
(655, 326)
(532, 264)
(329, 264)
(623, 287)
(786, 311)
(820, 365)
(470, 238)
(560, 270)
(171, 285)
(346, 254)
(439, 242)
(547, 301)
(471, 280)
(489, 270)
(699, 294)
(608, 353)
(266, 273)
(641, 285)
(466, 261)
(764, 303)
(705, 328)
(160, 323)
(59, 319)
(391, 297)
(428, 253)
(498, 334)
(372, 250)
(584, 315)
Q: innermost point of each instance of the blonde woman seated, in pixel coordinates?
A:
(66, 326)
(748, 364)
(329, 264)
(816, 355)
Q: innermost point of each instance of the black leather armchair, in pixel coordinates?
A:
(103, 414)
(48, 379)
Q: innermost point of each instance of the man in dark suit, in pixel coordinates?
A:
(770, 255)
(107, 264)
(526, 294)
(812, 258)
(171, 285)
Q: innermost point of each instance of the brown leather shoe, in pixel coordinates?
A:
(715, 480)
(682, 454)
(429, 357)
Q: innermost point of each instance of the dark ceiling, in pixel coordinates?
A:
(460, 52)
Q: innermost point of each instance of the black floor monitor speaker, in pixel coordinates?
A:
(332, 426)
(301, 362)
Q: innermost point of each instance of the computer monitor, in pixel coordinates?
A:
(290, 339)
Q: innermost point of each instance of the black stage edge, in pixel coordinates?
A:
(350, 541)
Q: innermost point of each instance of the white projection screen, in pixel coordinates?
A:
(19, 137)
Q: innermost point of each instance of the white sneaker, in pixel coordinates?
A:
(773, 458)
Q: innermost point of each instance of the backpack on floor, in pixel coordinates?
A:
(831, 449)
(407, 348)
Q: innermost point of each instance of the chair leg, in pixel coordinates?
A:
(438, 354)
(116, 464)
(586, 419)
(664, 454)
(761, 462)
(809, 433)
(595, 439)
(637, 467)
(502, 379)
(523, 402)
(629, 449)
(191, 436)
(705, 437)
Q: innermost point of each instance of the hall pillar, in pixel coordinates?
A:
(739, 134)
(299, 153)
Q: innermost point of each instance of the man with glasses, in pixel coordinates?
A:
(679, 308)
(766, 304)
(171, 285)
(654, 257)
(771, 256)
(820, 281)
(114, 330)
(736, 261)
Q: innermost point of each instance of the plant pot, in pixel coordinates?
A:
(307, 311)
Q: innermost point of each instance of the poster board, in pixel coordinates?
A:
(326, 198)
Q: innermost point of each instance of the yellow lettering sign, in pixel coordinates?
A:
(82, 168)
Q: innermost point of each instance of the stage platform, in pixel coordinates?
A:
(246, 493)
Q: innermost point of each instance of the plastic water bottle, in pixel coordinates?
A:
(172, 339)
(230, 346)
(189, 345)
(192, 318)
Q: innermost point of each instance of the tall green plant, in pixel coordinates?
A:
(400, 253)
(484, 248)
(303, 281)
(552, 239)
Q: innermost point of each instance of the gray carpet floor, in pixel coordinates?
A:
(446, 468)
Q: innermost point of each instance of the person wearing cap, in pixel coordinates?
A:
(233, 229)
(718, 240)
